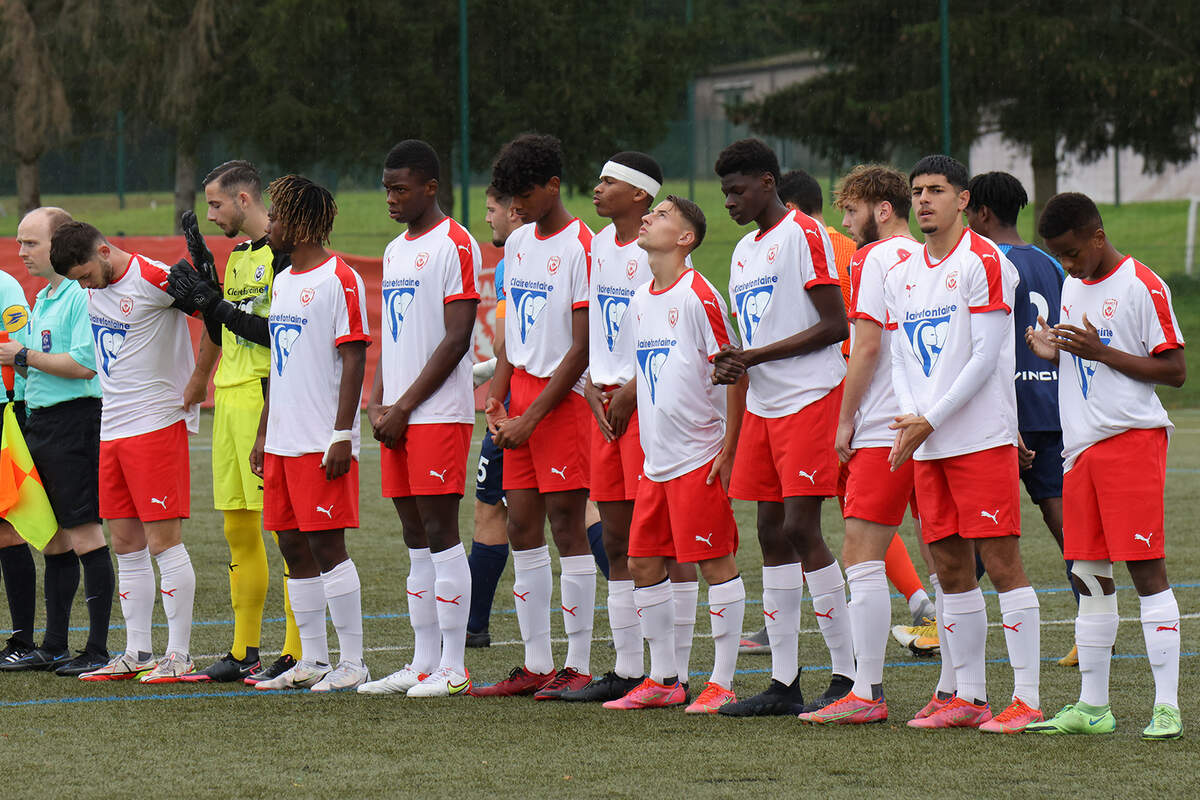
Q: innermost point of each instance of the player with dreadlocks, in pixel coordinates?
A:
(307, 446)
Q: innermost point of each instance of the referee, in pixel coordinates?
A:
(62, 396)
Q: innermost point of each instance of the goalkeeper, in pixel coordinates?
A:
(236, 331)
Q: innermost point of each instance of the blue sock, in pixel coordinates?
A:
(487, 562)
(596, 542)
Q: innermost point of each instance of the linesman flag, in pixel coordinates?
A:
(23, 500)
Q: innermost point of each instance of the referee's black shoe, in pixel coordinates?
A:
(38, 658)
(14, 650)
(86, 661)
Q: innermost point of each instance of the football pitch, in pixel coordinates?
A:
(76, 739)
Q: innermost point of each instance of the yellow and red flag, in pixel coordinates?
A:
(23, 500)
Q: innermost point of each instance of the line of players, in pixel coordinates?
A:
(925, 400)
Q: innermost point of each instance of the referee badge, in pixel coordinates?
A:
(46, 344)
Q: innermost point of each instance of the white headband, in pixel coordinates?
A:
(636, 179)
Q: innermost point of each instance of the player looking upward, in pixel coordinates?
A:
(144, 358)
(423, 410)
(784, 286)
(1118, 337)
(952, 352)
(545, 471)
(678, 323)
(306, 450)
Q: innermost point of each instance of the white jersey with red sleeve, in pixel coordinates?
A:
(420, 276)
(769, 276)
(312, 312)
(930, 305)
(868, 270)
(1131, 311)
(675, 334)
(545, 280)
(143, 353)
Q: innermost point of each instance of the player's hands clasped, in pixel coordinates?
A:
(494, 412)
(729, 365)
(911, 431)
(1083, 342)
(390, 424)
(189, 288)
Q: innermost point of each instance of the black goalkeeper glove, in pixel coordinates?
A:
(202, 257)
(189, 288)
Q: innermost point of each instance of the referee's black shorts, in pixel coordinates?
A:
(64, 440)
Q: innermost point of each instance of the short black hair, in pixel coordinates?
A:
(798, 187)
(72, 244)
(693, 214)
(1000, 192)
(236, 174)
(1069, 211)
(749, 157)
(529, 160)
(497, 195)
(416, 156)
(951, 168)
(641, 162)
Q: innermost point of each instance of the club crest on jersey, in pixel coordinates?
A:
(1085, 370)
(650, 361)
(631, 267)
(772, 253)
(530, 304)
(928, 338)
(126, 305)
(15, 318)
(46, 343)
(395, 304)
(673, 317)
(612, 312)
(952, 281)
(306, 296)
(283, 339)
(752, 305)
(1107, 310)
(552, 264)
(108, 345)
(259, 271)
(421, 260)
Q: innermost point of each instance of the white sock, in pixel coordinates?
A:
(966, 624)
(947, 684)
(870, 612)
(1160, 628)
(726, 612)
(657, 612)
(452, 593)
(135, 587)
(828, 590)
(578, 588)
(915, 600)
(531, 588)
(308, 607)
(783, 589)
(422, 611)
(343, 595)
(687, 600)
(1095, 635)
(1021, 617)
(177, 583)
(626, 630)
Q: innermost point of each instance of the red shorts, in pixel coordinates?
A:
(684, 518)
(790, 456)
(873, 492)
(1113, 499)
(975, 495)
(430, 459)
(297, 497)
(616, 465)
(146, 477)
(555, 458)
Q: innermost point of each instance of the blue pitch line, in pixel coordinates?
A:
(599, 607)
(255, 693)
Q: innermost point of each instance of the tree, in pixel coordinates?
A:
(1071, 77)
(34, 94)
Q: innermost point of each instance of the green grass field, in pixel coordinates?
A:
(126, 740)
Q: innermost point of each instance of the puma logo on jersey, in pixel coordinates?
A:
(1145, 538)
(560, 471)
(464, 248)
(441, 476)
(986, 256)
(326, 511)
(812, 476)
(712, 303)
(706, 539)
(991, 515)
(908, 287)
(162, 502)
(1158, 292)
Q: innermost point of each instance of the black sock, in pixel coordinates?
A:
(595, 536)
(62, 579)
(20, 584)
(98, 585)
(487, 563)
